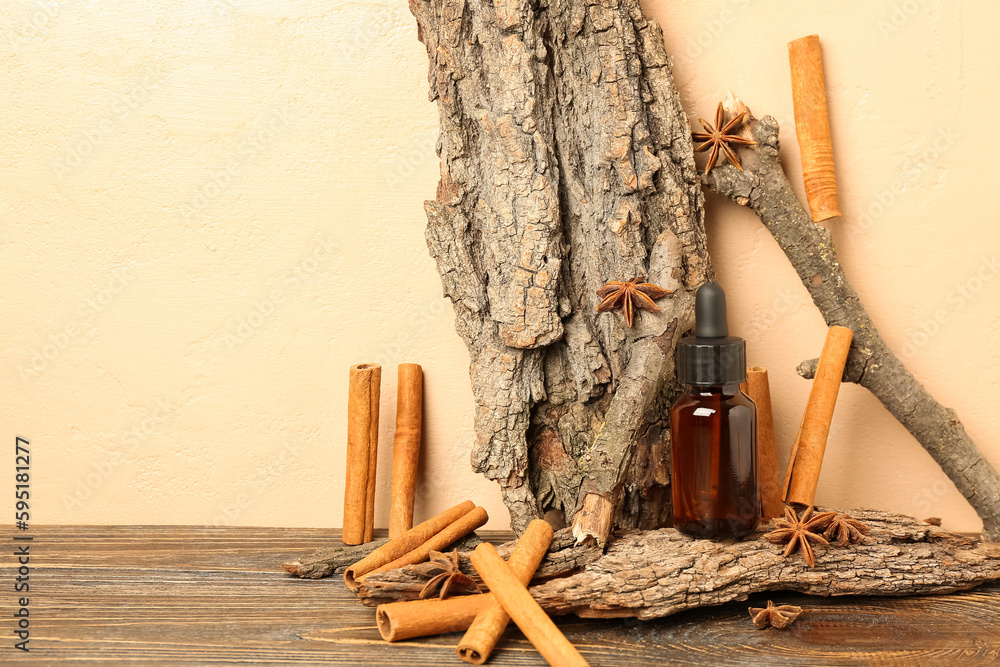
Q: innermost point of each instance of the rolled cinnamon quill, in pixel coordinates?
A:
(449, 534)
(515, 599)
(768, 472)
(406, 447)
(406, 542)
(421, 618)
(484, 633)
(806, 457)
(812, 127)
(362, 452)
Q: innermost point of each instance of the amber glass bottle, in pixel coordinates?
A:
(713, 427)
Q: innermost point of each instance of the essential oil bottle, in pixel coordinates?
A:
(713, 429)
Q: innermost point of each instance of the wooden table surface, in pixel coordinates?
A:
(170, 595)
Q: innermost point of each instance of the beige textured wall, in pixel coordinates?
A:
(209, 210)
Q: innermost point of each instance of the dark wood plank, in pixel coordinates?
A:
(165, 595)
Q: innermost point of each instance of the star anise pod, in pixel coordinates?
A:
(718, 138)
(845, 529)
(772, 616)
(630, 295)
(445, 576)
(799, 532)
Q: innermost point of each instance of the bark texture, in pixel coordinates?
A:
(566, 161)
(648, 574)
(809, 247)
(328, 561)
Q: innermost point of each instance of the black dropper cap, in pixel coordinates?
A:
(711, 357)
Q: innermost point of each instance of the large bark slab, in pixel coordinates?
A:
(648, 574)
(566, 161)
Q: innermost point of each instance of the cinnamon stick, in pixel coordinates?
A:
(812, 127)
(768, 472)
(406, 542)
(451, 533)
(806, 457)
(362, 451)
(515, 599)
(406, 446)
(485, 631)
(421, 618)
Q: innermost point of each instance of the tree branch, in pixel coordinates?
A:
(809, 247)
(605, 464)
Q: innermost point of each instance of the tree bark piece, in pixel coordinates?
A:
(650, 367)
(649, 574)
(565, 157)
(763, 187)
(406, 446)
(328, 561)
